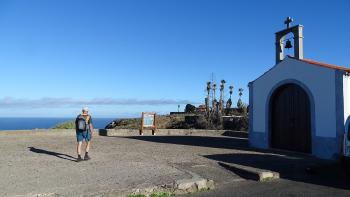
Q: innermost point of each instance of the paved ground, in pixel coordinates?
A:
(278, 188)
(32, 164)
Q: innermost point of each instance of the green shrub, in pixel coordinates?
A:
(190, 108)
(65, 125)
(237, 123)
(137, 195)
(163, 194)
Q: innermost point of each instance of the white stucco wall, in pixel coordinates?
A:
(319, 80)
(346, 90)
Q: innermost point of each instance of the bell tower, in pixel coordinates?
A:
(297, 31)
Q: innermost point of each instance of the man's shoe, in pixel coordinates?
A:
(86, 157)
(79, 159)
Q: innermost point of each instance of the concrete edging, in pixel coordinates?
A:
(183, 186)
(250, 172)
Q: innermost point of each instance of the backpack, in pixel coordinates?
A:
(81, 123)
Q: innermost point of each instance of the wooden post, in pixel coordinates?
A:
(154, 125)
(141, 129)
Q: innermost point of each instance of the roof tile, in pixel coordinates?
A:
(331, 66)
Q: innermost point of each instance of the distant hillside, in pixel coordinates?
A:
(163, 122)
(183, 121)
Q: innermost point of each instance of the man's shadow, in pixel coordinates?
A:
(59, 155)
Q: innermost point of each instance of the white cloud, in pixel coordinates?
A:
(49, 102)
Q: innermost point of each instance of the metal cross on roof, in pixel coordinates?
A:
(288, 21)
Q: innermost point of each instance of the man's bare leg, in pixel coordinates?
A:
(87, 148)
(79, 150)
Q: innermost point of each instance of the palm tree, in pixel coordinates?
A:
(214, 90)
(231, 90)
(240, 92)
(221, 100)
(229, 101)
(207, 100)
(240, 104)
(222, 84)
(208, 88)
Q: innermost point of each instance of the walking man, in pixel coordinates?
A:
(84, 130)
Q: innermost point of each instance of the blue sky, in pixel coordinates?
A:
(125, 57)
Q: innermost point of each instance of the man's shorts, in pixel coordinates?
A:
(83, 135)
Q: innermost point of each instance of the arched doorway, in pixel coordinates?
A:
(290, 119)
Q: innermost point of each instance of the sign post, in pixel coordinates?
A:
(148, 121)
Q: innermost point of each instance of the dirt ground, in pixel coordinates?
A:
(43, 164)
(33, 164)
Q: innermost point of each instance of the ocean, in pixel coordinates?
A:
(44, 123)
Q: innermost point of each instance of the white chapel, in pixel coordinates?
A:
(299, 105)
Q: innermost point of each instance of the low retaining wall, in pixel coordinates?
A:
(160, 132)
(132, 132)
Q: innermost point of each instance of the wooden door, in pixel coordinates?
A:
(290, 121)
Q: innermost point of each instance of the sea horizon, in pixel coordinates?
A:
(30, 123)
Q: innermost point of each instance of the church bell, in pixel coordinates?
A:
(288, 44)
